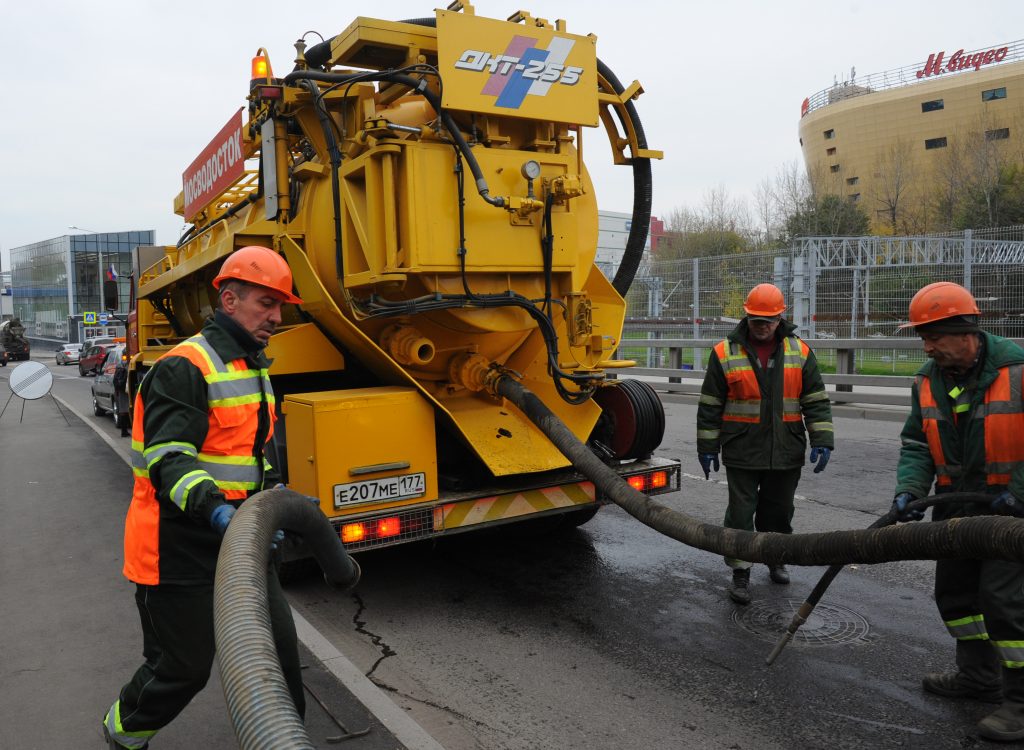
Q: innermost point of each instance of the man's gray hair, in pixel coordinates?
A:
(240, 288)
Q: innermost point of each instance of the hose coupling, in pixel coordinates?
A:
(407, 345)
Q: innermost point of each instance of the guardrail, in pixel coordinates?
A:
(890, 390)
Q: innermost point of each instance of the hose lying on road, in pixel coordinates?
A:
(259, 703)
(805, 609)
(989, 537)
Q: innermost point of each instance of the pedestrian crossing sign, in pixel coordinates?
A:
(89, 318)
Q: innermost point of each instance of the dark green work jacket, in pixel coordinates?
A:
(964, 446)
(771, 443)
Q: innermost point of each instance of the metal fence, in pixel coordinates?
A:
(835, 287)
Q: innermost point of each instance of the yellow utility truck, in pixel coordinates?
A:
(424, 180)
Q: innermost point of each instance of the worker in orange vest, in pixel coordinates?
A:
(964, 433)
(762, 395)
(204, 418)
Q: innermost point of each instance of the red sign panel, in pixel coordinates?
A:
(215, 169)
(960, 61)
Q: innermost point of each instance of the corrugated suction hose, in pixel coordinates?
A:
(259, 703)
(958, 538)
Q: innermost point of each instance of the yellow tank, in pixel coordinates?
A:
(424, 181)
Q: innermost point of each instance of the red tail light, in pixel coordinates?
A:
(389, 526)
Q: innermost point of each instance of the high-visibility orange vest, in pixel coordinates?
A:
(1003, 415)
(743, 401)
(234, 392)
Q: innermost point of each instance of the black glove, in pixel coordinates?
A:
(1008, 505)
(899, 507)
(706, 461)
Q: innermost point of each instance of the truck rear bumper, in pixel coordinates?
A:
(552, 493)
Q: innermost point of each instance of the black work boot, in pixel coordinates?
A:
(778, 573)
(977, 677)
(1006, 723)
(739, 592)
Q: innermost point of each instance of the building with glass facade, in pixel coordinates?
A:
(57, 282)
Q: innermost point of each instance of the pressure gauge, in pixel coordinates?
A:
(530, 169)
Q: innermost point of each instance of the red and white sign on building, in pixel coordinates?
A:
(960, 61)
(218, 167)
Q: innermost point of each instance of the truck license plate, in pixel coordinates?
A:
(401, 487)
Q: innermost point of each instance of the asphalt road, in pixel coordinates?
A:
(612, 636)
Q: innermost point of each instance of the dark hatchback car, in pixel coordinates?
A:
(109, 393)
(91, 359)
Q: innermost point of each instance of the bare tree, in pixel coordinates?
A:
(792, 191)
(895, 173)
(719, 226)
(766, 210)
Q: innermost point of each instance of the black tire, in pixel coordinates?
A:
(81, 372)
(98, 410)
(120, 418)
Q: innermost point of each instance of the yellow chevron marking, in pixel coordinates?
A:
(512, 505)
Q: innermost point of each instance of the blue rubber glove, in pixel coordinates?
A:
(276, 539)
(820, 457)
(221, 517)
(707, 460)
(1008, 505)
(899, 506)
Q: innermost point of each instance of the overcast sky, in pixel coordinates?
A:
(106, 103)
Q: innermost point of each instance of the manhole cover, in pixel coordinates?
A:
(828, 624)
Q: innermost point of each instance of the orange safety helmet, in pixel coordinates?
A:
(260, 266)
(940, 301)
(765, 300)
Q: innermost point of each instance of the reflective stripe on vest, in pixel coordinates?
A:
(743, 402)
(970, 628)
(1011, 653)
(234, 396)
(1003, 413)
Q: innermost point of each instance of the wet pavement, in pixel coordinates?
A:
(610, 636)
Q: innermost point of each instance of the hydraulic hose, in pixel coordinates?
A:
(958, 538)
(643, 195)
(259, 703)
(805, 609)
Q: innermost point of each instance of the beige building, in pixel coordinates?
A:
(893, 142)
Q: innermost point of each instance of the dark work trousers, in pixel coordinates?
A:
(993, 588)
(760, 500)
(178, 644)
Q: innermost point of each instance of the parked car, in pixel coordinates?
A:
(91, 359)
(68, 353)
(97, 340)
(109, 393)
(3, 356)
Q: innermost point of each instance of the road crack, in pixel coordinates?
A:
(377, 640)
